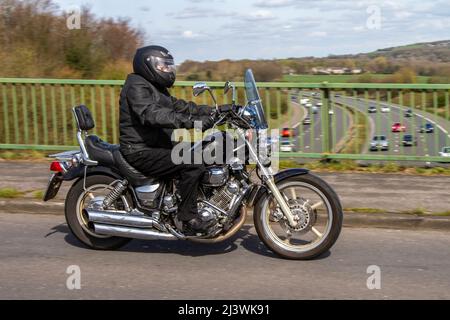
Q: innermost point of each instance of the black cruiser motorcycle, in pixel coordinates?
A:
(296, 214)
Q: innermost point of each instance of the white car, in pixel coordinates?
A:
(445, 152)
(319, 104)
(309, 105)
(331, 112)
(287, 146)
(385, 109)
(304, 101)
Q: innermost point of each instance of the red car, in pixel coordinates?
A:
(398, 127)
(287, 133)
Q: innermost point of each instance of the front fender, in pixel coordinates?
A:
(280, 177)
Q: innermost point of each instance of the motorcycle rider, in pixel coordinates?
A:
(148, 117)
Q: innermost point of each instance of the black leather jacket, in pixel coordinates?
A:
(148, 115)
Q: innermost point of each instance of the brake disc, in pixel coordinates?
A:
(304, 214)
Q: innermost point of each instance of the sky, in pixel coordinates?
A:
(266, 29)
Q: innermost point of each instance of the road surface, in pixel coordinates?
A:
(36, 252)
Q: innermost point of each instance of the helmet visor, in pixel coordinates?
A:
(164, 65)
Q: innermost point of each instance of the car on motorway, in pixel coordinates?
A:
(385, 109)
(286, 145)
(331, 112)
(372, 109)
(287, 133)
(445, 152)
(379, 143)
(409, 140)
(409, 113)
(314, 110)
(307, 121)
(428, 128)
(304, 101)
(398, 127)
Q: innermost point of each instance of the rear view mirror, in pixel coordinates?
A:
(200, 88)
(230, 86)
(227, 87)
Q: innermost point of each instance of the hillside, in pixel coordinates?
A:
(438, 51)
(420, 62)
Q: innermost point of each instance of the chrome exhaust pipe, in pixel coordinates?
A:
(132, 233)
(123, 219)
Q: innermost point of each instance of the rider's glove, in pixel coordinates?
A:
(208, 122)
(227, 108)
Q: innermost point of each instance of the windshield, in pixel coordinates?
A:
(254, 102)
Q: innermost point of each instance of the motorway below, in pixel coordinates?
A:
(429, 144)
(309, 138)
(37, 250)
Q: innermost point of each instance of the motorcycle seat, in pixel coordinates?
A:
(134, 177)
(109, 155)
(100, 151)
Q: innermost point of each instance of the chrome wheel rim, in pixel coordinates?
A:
(86, 200)
(315, 217)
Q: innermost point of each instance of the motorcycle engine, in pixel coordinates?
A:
(222, 198)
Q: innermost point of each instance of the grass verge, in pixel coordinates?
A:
(350, 166)
(10, 193)
(415, 212)
(32, 155)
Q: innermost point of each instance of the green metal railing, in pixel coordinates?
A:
(36, 114)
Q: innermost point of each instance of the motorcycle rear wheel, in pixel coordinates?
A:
(77, 222)
(314, 200)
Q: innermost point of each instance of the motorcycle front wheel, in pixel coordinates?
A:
(316, 208)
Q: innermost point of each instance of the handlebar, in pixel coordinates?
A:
(230, 114)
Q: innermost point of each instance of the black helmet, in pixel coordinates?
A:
(155, 64)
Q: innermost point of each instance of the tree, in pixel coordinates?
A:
(404, 75)
(35, 42)
(378, 65)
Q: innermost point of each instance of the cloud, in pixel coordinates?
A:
(191, 13)
(188, 34)
(259, 15)
(320, 34)
(274, 3)
(144, 9)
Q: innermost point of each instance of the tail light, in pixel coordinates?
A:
(57, 167)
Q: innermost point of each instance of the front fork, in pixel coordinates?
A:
(270, 181)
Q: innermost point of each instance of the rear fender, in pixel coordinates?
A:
(76, 173)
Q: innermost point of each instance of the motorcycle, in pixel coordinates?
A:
(296, 214)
